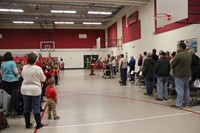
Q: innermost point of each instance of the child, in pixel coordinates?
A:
(56, 73)
(51, 96)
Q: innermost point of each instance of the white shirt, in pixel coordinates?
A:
(33, 76)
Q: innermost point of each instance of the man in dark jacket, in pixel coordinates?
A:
(181, 66)
(154, 55)
(162, 69)
(148, 73)
(194, 65)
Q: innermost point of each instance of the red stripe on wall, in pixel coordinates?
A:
(64, 38)
(132, 32)
(112, 35)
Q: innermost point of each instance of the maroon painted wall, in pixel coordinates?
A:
(64, 38)
(132, 32)
(112, 35)
(193, 17)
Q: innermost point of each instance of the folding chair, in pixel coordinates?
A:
(194, 94)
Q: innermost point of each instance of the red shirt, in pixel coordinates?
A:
(48, 76)
(38, 63)
(56, 72)
(51, 93)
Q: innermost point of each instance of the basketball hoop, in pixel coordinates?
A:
(162, 19)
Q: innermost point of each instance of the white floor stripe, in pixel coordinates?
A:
(122, 121)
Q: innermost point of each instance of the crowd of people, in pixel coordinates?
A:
(178, 70)
(34, 79)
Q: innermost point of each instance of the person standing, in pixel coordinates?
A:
(31, 89)
(181, 66)
(123, 64)
(162, 69)
(9, 73)
(148, 73)
(154, 55)
(140, 61)
(51, 95)
(132, 64)
(194, 64)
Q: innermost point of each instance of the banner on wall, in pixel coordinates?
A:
(132, 18)
(190, 43)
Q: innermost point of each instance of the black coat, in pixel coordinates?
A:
(162, 67)
(148, 68)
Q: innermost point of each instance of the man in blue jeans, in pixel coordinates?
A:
(181, 66)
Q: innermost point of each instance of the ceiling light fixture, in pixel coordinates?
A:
(23, 22)
(11, 10)
(62, 11)
(101, 13)
(92, 23)
(63, 22)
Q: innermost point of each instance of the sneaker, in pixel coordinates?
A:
(56, 118)
(176, 107)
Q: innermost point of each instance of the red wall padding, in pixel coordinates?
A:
(132, 32)
(64, 38)
(112, 35)
(193, 17)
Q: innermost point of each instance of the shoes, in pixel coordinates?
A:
(165, 98)
(56, 118)
(29, 126)
(176, 107)
(149, 94)
(49, 118)
(158, 99)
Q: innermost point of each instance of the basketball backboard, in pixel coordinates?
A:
(47, 46)
(177, 9)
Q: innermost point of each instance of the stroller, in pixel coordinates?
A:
(107, 71)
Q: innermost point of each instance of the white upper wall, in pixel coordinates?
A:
(166, 41)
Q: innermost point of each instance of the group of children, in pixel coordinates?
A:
(51, 71)
(48, 90)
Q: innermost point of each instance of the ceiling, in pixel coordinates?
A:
(39, 11)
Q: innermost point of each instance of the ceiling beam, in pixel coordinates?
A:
(114, 2)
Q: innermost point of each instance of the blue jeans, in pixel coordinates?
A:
(32, 103)
(162, 91)
(149, 86)
(183, 92)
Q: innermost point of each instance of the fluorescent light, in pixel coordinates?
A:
(23, 22)
(64, 22)
(11, 10)
(101, 13)
(92, 23)
(62, 11)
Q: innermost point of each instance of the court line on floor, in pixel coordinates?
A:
(139, 100)
(121, 121)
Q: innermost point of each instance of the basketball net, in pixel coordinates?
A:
(162, 19)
